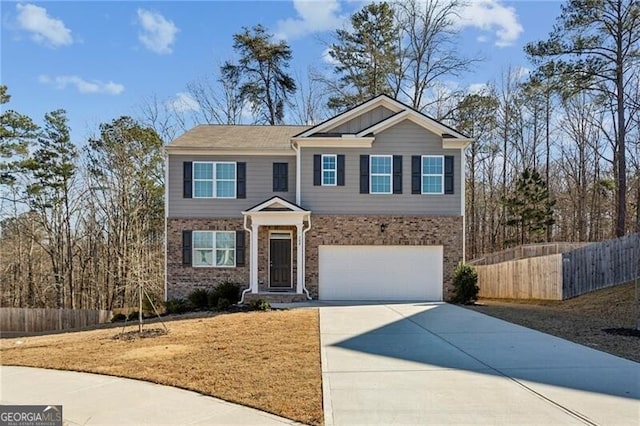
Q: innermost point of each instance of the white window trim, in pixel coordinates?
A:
(213, 180)
(213, 249)
(371, 174)
(334, 170)
(423, 175)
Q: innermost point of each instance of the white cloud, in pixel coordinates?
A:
(492, 16)
(83, 86)
(43, 28)
(477, 88)
(327, 58)
(183, 102)
(157, 34)
(522, 72)
(313, 16)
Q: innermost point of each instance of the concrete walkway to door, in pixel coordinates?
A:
(436, 363)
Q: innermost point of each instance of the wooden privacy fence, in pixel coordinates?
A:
(562, 275)
(26, 320)
(532, 278)
(600, 265)
(526, 251)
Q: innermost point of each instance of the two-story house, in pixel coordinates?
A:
(368, 205)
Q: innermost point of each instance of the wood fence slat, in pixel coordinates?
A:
(562, 275)
(600, 265)
(33, 320)
(531, 278)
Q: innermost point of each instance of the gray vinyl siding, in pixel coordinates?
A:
(404, 139)
(363, 121)
(259, 186)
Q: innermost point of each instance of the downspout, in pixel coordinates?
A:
(166, 218)
(297, 150)
(248, 289)
(463, 190)
(304, 258)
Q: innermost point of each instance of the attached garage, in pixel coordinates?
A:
(380, 272)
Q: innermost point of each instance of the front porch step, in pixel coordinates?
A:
(273, 297)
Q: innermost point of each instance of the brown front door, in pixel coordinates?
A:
(280, 265)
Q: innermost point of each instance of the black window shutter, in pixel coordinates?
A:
(241, 180)
(276, 177)
(364, 174)
(317, 170)
(397, 174)
(284, 177)
(340, 170)
(240, 248)
(187, 173)
(416, 174)
(448, 174)
(186, 248)
(280, 177)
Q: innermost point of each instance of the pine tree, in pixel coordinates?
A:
(17, 132)
(595, 46)
(261, 72)
(529, 207)
(53, 167)
(366, 56)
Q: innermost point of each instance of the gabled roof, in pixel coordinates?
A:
(401, 112)
(237, 137)
(276, 203)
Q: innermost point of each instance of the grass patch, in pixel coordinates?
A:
(583, 319)
(265, 360)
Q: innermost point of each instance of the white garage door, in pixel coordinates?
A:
(380, 272)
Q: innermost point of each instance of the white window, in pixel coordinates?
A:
(214, 180)
(432, 174)
(380, 174)
(214, 248)
(329, 170)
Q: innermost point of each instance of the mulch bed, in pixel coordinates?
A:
(144, 334)
(623, 331)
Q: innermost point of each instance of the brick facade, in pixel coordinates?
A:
(326, 229)
(183, 279)
(401, 230)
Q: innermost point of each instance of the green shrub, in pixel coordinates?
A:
(465, 283)
(260, 305)
(133, 316)
(199, 298)
(118, 318)
(177, 306)
(229, 291)
(212, 299)
(223, 304)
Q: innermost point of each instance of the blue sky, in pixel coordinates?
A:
(100, 60)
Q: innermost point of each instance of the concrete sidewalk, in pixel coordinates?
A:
(92, 399)
(442, 364)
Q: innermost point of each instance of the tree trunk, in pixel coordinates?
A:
(622, 155)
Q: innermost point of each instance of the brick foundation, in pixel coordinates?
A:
(401, 230)
(325, 229)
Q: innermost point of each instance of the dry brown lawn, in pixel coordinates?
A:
(581, 320)
(266, 360)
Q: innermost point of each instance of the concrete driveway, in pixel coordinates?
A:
(441, 364)
(93, 399)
